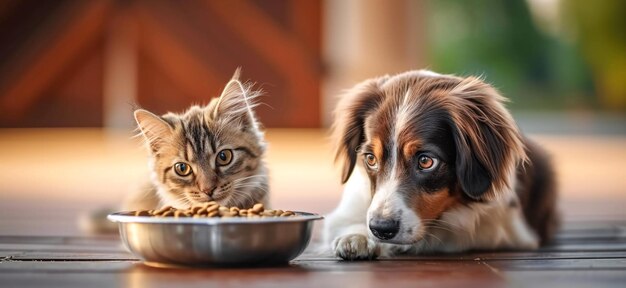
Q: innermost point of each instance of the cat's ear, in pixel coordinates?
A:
(236, 103)
(155, 129)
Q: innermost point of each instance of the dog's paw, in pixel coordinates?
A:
(355, 247)
(395, 250)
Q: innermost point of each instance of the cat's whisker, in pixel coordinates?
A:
(242, 195)
(253, 181)
(254, 187)
(245, 196)
(249, 179)
(243, 179)
(249, 184)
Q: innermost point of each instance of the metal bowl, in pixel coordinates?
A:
(168, 241)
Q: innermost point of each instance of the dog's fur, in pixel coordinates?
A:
(490, 187)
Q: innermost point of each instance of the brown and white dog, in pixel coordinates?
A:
(435, 163)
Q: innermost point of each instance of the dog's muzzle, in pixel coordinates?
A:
(384, 229)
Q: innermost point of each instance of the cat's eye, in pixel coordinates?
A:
(224, 157)
(182, 169)
(427, 163)
(371, 160)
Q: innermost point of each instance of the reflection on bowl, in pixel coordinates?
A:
(163, 241)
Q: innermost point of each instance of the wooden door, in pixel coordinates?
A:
(59, 58)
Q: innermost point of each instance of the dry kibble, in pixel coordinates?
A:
(181, 213)
(163, 210)
(286, 214)
(142, 213)
(267, 213)
(258, 208)
(213, 209)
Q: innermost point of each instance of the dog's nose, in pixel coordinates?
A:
(384, 229)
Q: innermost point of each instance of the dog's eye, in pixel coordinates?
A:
(370, 159)
(427, 163)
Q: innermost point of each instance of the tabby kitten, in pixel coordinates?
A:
(210, 153)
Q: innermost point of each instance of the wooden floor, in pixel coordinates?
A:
(591, 254)
(49, 177)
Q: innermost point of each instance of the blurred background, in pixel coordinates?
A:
(71, 73)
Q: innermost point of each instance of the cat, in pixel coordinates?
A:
(210, 153)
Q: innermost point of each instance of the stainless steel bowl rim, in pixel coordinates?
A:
(128, 217)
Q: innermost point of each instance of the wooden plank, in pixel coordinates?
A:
(12, 266)
(64, 280)
(582, 249)
(560, 264)
(612, 224)
(309, 272)
(589, 247)
(9, 254)
(521, 255)
(76, 261)
(359, 274)
(99, 253)
(558, 253)
(60, 240)
(246, 279)
(301, 274)
(71, 256)
(28, 247)
(600, 235)
(566, 279)
(60, 248)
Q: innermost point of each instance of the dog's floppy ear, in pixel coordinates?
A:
(348, 129)
(488, 143)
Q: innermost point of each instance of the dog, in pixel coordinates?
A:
(435, 163)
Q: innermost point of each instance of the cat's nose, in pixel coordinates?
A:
(208, 190)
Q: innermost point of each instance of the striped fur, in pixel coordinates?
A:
(196, 138)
